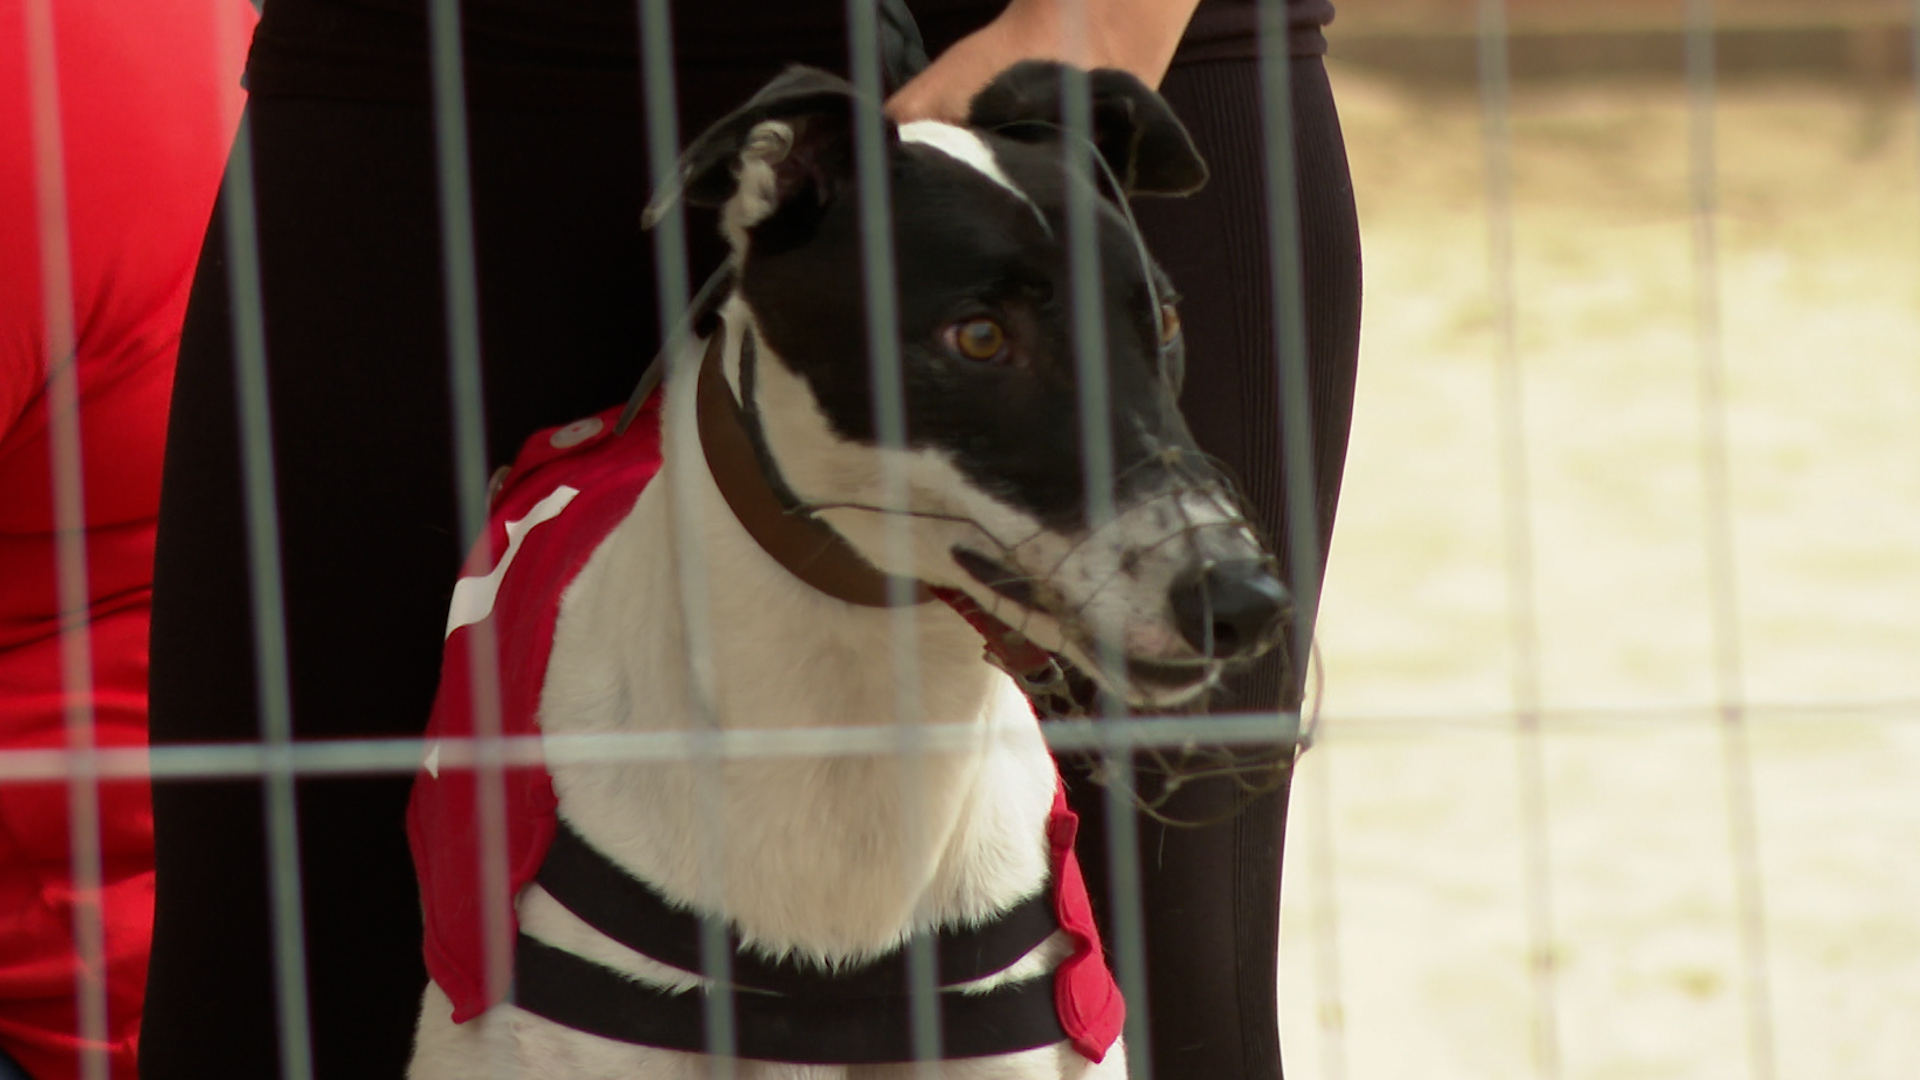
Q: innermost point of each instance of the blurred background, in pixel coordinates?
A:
(1619, 768)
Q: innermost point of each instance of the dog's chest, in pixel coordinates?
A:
(835, 855)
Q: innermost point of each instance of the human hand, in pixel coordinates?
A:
(1136, 36)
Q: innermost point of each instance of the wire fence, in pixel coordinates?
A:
(1618, 954)
(1342, 1040)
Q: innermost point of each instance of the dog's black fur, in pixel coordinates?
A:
(1011, 424)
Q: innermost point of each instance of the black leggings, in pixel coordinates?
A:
(362, 433)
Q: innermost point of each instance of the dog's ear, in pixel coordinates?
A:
(1144, 144)
(799, 126)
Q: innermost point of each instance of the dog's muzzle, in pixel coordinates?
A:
(1225, 611)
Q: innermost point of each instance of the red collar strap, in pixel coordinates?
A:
(1012, 651)
(1058, 690)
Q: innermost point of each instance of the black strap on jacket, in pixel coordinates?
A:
(585, 996)
(634, 914)
(786, 1009)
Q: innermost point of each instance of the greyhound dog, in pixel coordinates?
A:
(820, 544)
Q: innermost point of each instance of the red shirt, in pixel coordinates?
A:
(147, 97)
(567, 490)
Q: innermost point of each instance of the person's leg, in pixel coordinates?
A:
(356, 341)
(1211, 893)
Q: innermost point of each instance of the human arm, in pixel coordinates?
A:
(1136, 36)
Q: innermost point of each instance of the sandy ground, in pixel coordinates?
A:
(1407, 948)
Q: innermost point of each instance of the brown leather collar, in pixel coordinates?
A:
(808, 549)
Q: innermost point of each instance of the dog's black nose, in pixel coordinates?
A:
(1228, 609)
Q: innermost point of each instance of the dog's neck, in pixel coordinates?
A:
(784, 655)
(772, 631)
(734, 446)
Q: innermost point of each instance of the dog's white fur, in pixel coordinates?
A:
(835, 858)
(964, 146)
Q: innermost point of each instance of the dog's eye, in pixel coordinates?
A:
(1169, 324)
(977, 339)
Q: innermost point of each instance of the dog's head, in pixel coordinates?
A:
(1172, 584)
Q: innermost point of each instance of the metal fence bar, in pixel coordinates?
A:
(1304, 570)
(1887, 710)
(1129, 908)
(1290, 330)
(269, 611)
(374, 757)
(672, 285)
(1722, 570)
(60, 344)
(459, 270)
(1090, 348)
(460, 280)
(1516, 509)
(702, 741)
(872, 156)
(1913, 70)
(1329, 1007)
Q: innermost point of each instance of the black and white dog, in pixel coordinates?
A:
(827, 866)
